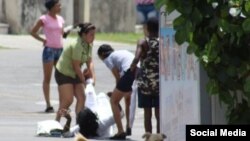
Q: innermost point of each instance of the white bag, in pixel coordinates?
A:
(105, 116)
(90, 93)
(132, 106)
(49, 128)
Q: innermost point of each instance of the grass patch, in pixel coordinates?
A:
(129, 38)
(1, 47)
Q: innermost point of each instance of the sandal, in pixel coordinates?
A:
(121, 136)
(66, 127)
(128, 131)
(49, 110)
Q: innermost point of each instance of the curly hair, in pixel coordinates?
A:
(88, 123)
(50, 4)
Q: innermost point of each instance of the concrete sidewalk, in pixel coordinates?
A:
(21, 97)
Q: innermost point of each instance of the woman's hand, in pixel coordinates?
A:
(44, 42)
(133, 65)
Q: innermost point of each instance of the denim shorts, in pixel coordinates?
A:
(144, 12)
(51, 54)
(148, 101)
(126, 81)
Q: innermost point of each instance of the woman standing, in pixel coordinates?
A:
(52, 25)
(69, 75)
(147, 53)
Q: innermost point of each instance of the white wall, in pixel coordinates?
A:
(2, 17)
(107, 15)
(21, 15)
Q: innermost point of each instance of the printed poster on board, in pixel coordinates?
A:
(179, 87)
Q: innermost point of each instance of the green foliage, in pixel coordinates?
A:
(130, 38)
(121, 37)
(1, 47)
(218, 33)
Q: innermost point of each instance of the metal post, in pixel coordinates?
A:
(86, 11)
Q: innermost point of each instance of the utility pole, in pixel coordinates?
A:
(86, 11)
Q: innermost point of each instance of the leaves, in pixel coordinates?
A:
(246, 25)
(247, 7)
(160, 3)
(183, 29)
(247, 86)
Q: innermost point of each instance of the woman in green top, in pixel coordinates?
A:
(69, 75)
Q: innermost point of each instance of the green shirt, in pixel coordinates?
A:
(79, 51)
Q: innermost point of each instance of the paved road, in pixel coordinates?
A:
(21, 98)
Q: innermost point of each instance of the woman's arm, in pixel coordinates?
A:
(77, 68)
(90, 66)
(34, 31)
(138, 54)
(116, 74)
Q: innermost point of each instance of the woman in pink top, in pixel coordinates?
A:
(52, 25)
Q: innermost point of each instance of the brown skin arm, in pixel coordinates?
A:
(116, 74)
(77, 68)
(140, 51)
(35, 29)
(90, 66)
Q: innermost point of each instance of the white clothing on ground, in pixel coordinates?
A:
(99, 104)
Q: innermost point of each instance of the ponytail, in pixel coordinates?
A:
(80, 28)
(85, 28)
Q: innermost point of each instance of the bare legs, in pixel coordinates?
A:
(116, 97)
(157, 116)
(148, 122)
(127, 108)
(80, 97)
(47, 71)
(66, 97)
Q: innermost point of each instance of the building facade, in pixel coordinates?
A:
(107, 15)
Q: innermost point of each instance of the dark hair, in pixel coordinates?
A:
(85, 28)
(50, 3)
(88, 123)
(153, 25)
(105, 50)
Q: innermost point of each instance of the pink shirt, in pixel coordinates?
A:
(52, 28)
(144, 1)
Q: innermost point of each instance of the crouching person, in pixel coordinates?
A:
(96, 121)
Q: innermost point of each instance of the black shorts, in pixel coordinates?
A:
(63, 79)
(148, 101)
(126, 81)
